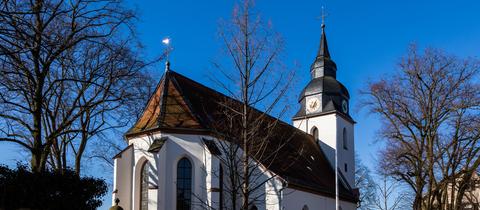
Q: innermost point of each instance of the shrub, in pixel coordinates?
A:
(20, 188)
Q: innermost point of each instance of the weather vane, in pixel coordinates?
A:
(166, 42)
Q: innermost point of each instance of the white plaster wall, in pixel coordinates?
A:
(268, 189)
(122, 178)
(209, 173)
(164, 169)
(162, 180)
(295, 200)
(141, 155)
(267, 185)
(192, 147)
(273, 194)
(330, 133)
(346, 155)
(212, 180)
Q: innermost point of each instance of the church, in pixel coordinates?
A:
(172, 161)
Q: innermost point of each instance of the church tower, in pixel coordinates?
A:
(324, 112)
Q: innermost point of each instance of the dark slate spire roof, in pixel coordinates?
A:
(323, 50)
(323, 64)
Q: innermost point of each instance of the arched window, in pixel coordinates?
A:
(305, 207)
(314, 132)
(345, 138)
(144, 187)
(184, 184)
(253, 207)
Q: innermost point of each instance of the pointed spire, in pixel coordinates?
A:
(323, 50)
(323, 64)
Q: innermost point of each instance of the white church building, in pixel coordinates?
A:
(172, 161)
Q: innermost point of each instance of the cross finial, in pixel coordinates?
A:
(324, 14)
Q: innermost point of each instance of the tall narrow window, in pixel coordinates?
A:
(184, 184)
(314, 132)
(345, 138)
(144, 187)
(220, 183)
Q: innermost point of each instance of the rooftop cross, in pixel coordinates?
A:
(323, 15)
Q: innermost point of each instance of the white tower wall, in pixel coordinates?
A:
(330, 135)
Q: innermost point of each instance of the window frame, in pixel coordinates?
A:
(144, 179)
(182, 178)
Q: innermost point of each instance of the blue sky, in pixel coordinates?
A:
(366, 39)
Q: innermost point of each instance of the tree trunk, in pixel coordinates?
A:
(37, 148)
(245, 131)
(81, 149)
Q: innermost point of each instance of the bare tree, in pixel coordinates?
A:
(365, 184)
(254, 79)
(113, 72)
(431, 120)
(65, 67)
(389, 196)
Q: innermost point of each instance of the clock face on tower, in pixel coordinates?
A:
(344, 106)
(313, 104)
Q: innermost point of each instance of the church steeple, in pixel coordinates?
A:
(323, 64)
(324, 112)
(323, 50)
(324, 93)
